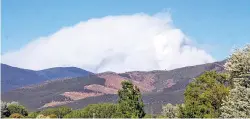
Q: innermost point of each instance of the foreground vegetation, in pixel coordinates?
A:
(211, 95)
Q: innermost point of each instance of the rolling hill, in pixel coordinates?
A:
(13, 77)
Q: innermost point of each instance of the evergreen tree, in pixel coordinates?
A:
(203, 97)
(237, 104)
(130, 102)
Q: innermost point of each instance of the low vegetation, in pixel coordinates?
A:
(16, 115)
(211, 95)
(169, 111)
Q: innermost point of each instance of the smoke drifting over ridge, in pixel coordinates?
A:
(113, 43)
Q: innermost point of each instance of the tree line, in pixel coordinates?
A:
(211, 95)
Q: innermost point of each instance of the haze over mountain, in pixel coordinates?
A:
(13, 77)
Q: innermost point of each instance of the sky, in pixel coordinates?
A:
(213, 27)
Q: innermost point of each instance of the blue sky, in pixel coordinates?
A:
(216, 24)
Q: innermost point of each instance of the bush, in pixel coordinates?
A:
(33, 115)
(59, 112)
(4, 110)
(16, 115)
(75, 114)
(48, 111)
(16, 108)
(148, 116)
(13, 102)
(170, 111)
(52, 116)
(104, 110)
(41, 116)
(161, 116)
(62, 111)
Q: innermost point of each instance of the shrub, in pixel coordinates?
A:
(16, 115)
(148, 116)
(16, 108)
(62, 111)
(170, 111)
(48, 111)
(161, 116)
(75, 114)
(4, 110)
(33, 115)
(13, 102)
(59, 112)
(103, 110)
(52, 116)
(41, 116)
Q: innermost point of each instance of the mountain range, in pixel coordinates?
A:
(77, 88)
(13, 77)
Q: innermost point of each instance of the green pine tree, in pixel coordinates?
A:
(130, 104)
(203, 97)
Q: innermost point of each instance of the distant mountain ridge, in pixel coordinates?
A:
(13, 77)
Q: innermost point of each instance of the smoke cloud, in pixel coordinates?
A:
(113, 43)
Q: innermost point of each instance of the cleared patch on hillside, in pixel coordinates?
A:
(80, 95)
(102, 89)
(55, 103)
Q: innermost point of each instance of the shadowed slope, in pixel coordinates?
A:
(13, 77)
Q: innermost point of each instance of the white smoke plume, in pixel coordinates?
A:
(113, 43)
